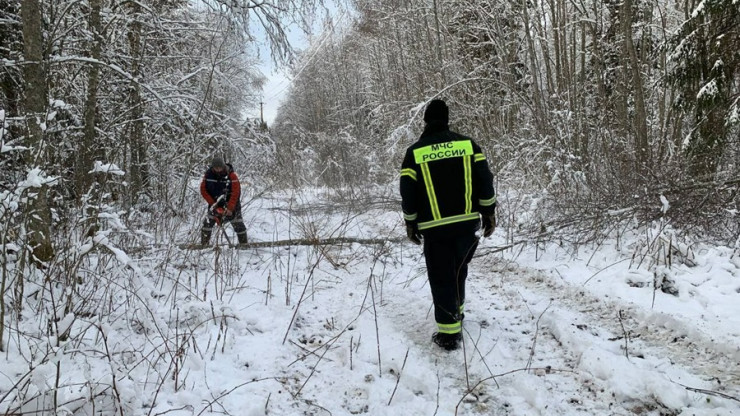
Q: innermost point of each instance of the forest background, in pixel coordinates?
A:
(600, 113)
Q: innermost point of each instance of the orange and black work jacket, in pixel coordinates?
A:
(445, 184)
(213, 185)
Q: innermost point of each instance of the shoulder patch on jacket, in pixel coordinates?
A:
(446, 150)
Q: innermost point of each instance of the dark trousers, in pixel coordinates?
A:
(236, 221)
(447, 267)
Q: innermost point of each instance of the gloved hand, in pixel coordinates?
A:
(412, 231)
(489, 224)
(228, 212)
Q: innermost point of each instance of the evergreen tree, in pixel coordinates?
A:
(706, 55)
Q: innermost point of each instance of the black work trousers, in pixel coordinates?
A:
(447, 267)
(236, 221)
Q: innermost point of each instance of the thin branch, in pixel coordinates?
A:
(398, 378)
(536, 332)
(710, 392)
(493, 377)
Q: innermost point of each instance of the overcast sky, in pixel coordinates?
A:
(273, 93)
(278, 79)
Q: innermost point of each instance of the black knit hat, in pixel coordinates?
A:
(437, 111)
(218, 162)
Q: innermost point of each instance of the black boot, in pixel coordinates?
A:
(242, 238)
(205, 237)
(448, 342)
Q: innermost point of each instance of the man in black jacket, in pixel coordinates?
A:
(446, 186)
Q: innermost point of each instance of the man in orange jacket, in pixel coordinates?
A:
(221, 189)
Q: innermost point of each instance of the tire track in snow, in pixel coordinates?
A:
(653, 333)
(498, 336)
(553, 384)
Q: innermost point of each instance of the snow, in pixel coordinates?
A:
(36, 178)
(734, 115)
(664, 204)
(343, 330)
(709, 90)
(65, 323)
(111, 168)
(698, 9)
(718, 64)
(4, 148)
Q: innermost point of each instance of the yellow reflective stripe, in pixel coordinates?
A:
(468, 185)
(462, 309)
(448, 220)
(439, 151)
(409, 217)
(479, 157)
(450, 328)
(409, 172)
(430, 191)
(487, 202)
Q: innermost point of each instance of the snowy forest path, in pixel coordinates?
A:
(506, 365)
(635, 332)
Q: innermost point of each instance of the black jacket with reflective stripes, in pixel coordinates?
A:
(445, 183)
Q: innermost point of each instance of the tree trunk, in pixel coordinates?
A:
(87, 151)
(640, 118)
(554, 16)
(34, 105)
(544, 44)
(137, 145)
(539, 113)
(439, 45)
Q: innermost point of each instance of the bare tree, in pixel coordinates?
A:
(640, 119)
(89, 148)
(34, 105)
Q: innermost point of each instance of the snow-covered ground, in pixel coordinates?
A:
(340, 330)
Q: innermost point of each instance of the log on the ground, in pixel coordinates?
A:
(301, 242)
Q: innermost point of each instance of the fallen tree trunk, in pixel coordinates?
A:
(301, 242)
